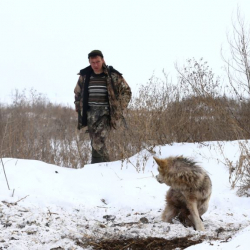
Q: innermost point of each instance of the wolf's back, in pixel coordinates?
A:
(186, 174)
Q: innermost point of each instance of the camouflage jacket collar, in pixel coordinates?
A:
(106, 70)
(89, 70)
(85, 71)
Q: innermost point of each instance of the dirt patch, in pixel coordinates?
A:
(142, 243)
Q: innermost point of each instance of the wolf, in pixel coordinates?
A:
(190, 189)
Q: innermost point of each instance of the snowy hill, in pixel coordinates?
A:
(50, 207)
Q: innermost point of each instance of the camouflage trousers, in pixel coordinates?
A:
(98, 127)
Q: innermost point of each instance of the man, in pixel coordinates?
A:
(101, 95)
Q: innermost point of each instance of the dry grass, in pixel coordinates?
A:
(34, 128)
(159, 115)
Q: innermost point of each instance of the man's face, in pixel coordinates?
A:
(96, 64)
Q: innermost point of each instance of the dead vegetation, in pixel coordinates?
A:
(150, 243)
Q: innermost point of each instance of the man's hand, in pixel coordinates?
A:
(77, 106)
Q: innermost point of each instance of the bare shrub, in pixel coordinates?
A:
(197, 79)
(163, 113)
(216, 117)
(238, 63)
(205, 107)
(34, 128)
(238, 73)
(145, 122)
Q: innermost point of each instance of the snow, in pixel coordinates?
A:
(51, 207)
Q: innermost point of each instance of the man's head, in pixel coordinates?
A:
(96, 61)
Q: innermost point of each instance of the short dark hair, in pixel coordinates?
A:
(95, 53)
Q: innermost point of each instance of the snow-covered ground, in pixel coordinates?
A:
(50, 207)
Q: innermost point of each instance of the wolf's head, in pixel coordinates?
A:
(163, 167)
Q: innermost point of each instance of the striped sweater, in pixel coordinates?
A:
(98, 94)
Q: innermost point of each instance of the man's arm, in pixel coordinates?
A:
(124, 92)
(77, 91)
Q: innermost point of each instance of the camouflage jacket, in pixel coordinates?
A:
(119, 94)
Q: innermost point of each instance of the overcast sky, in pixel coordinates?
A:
(44, 44)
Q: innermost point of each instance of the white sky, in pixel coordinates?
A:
(43, 44)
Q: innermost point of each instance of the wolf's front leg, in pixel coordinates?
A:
(194, 215)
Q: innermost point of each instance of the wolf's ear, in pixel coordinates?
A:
(158, 161)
